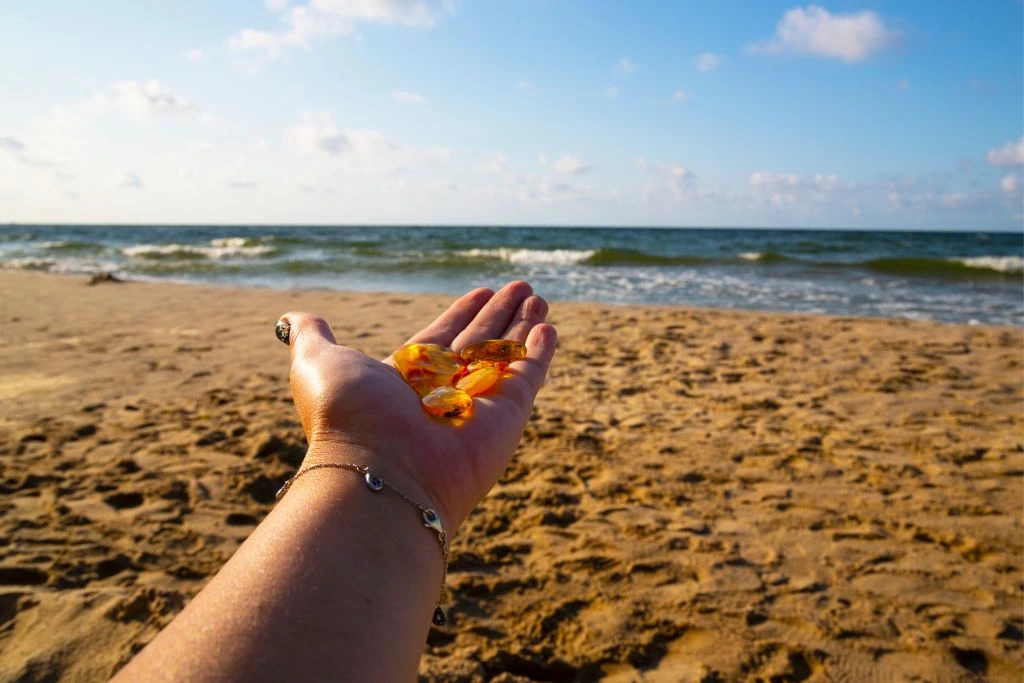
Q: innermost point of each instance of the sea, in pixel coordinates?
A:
(954, 277)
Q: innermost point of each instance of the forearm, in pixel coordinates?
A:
(338, 582)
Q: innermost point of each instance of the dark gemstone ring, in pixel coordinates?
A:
(283, 330)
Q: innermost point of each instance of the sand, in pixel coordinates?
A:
(699, 495)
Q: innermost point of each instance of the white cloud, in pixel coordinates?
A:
(708, 61)
(303, 25)
(9, 143)
(359, 150)
(397, 187)
(193, 55)
(404, 97)
(1010, 184)
(542, 159)
(681, 96)
(625, 65)
(445, 184)
(138, 100)
(820, 182)
(570, 164)
(815, 31)
(669, 179)
(954, 200)
(493, 164)
(524, 84)
(546, 190)
(1010, 154)
(35, 153)
(612, 91)
(128, 180)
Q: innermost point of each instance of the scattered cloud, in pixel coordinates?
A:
(665, 180)
(681, 96)
(493, 164)
(397, 187)
(1010, 184)
(708, 61)
(11, 144)
(359, 150)
(821, 182)
(524, 84)
(570, 164)
(542, 159)
(193, 55)
(404, 97)
(815, 31)
(303, 25)
(612, 91)
(1010, 154)
(128, 180)
(625, 65)
(32, 153)
(142, 101)
(445, 184)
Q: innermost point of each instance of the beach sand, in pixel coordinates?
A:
(699, 495)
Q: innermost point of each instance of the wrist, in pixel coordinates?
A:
(389, 466)
(346, 494)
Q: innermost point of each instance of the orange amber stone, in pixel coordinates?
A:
(479, 380)
(494, 351)
(425, 366)
(447, 402)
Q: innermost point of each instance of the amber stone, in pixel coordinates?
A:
(494, 351)
(482, 378)
(426, 366)
(447, 402)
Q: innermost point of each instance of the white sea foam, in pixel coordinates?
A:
(1004, 264)
(225, 247)
(557, 257)
(750, 255)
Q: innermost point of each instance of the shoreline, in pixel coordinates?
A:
(698, 493)
(560, 303)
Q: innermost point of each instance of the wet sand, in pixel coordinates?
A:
(699, 495)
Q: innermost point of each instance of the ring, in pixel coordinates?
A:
(283, 331)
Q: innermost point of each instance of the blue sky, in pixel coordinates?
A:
(840, 114)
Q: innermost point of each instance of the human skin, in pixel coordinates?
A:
(338, 582)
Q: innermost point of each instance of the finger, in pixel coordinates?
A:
(494, 318)
(308, 334)
(540, 348)
(531, 312)
(448, 325)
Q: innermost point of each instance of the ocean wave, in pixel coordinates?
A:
(221, 248)
(1013, 265)
(633, 257)
(68, 246)
(557, 257)
(950, 268)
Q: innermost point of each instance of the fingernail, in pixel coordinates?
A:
(283, 330)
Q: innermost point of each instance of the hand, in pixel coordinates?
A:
(357, 409)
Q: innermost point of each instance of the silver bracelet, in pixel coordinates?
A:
(429, 517)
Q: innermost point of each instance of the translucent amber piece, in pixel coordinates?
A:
(494, 351)
(447, 401)
(425, 366)
(479, 380)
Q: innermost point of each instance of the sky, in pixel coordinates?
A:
(866, 114)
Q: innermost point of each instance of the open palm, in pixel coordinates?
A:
(359, 409)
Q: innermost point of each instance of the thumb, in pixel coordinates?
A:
(306, 334)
